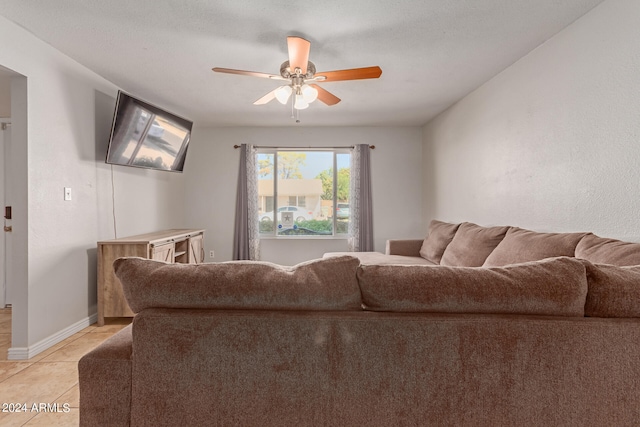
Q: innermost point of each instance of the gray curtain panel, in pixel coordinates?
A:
(361, 225)
(366, 204)
(246, 236)
(241, 228)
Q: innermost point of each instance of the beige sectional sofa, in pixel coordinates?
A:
(472, 245)
(340, 342)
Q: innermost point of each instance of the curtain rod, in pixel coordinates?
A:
(373, 147)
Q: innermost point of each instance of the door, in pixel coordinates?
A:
(196, 250)
(163, 252)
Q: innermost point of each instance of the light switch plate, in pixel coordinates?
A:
(67, 193)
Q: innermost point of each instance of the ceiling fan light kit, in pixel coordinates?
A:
(309, 93)
(283, 93)
(301, 78)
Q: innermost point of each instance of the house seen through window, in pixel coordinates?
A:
(303, 192)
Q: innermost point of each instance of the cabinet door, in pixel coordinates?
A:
(163, 252)
(196, 249)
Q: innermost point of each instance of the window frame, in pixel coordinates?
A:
(335, 152)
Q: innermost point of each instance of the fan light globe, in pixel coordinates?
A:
(309, 93)
(283, 93)
(300, 103)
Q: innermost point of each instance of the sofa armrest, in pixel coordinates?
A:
(405, 247)
(105, 382)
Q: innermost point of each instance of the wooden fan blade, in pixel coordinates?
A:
(247, 73)
(326, 96)
(351, 74)
(267, 98)
(298, 53)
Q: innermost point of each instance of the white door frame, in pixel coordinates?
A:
(3, 286)
(5, 241)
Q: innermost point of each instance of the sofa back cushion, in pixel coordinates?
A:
(556, 287)
(323, 284)
(471, 245)
(608, 251)
(613, 291)
(439, 237)
(520, 245)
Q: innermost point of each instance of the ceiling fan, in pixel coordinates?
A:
(301, 77)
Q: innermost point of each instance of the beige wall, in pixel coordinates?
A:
(61, 117)
(553, 142)
(5, 94)
(212, 172)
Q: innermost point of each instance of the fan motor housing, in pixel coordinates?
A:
(285, 70)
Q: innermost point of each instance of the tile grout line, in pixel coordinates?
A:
(16, 373)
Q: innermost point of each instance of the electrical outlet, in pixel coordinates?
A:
(211, 254)
(67, 193)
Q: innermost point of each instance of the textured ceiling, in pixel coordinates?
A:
(432, 52)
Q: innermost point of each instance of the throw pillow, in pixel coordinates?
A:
(439, 237)
(323, 284)
(554, 287)
(520, 245)
(608, 251)
(471, 245)
(613, 291)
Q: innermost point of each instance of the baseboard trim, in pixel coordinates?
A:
(24, 353)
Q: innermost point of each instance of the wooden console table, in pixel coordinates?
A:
(179, 245)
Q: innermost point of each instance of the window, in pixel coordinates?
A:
(307, 189)
(298, 201)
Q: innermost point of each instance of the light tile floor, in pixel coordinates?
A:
(49, 377)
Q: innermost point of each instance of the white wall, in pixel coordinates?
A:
(212, 171)
(553, 142)
(59, 135)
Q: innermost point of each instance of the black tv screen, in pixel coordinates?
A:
(145, 136)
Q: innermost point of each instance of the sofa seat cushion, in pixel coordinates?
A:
(383, 259)
(323, 284)
(439, 237)
(520, 245)
(556, 287)
(471, 245)
(608, 251)
(613, 291)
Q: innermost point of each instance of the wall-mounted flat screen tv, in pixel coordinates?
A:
(145, 136)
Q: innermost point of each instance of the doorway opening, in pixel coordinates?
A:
(13, 205)
(5, 244)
